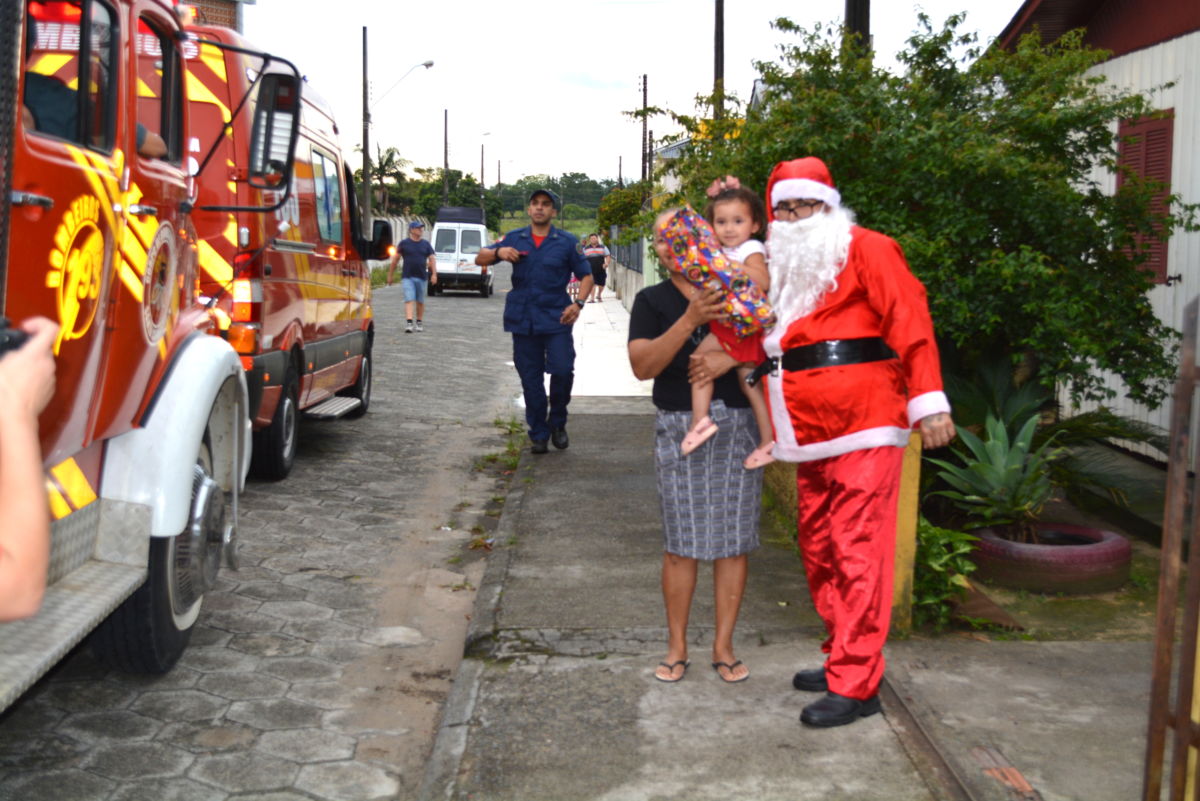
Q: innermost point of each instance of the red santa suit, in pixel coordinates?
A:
(846, 426)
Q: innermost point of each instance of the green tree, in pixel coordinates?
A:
(982, 168)
(620, 207)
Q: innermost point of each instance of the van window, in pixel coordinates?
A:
(328, 195)
(471, 241)
(66, 43)
(445, 241)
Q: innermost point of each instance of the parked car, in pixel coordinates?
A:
(458, 235)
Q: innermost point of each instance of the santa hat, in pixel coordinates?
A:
(801, 179)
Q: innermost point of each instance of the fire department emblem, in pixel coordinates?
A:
(77, 267)
(157, 282)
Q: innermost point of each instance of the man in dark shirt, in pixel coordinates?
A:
(539, 314)
(418, 257)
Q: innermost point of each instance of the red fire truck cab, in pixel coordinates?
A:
(146, 440)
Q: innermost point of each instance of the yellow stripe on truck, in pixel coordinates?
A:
(74, 483)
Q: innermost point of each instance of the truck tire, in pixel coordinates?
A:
(149, 631)
(275, 445)
(362, 387)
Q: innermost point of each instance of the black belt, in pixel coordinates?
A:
(830, 353)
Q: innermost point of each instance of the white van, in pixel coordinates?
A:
(458, 235)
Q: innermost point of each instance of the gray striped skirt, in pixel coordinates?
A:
(710, 503)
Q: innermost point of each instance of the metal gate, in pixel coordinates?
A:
(1175, 727)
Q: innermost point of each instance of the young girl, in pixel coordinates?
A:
(736, 214)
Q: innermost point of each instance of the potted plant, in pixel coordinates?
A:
(1003, 484)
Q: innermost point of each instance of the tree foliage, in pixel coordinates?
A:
(983, 168)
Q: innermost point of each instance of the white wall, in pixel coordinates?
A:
(1178, 61)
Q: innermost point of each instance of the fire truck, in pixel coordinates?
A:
(145, 443)
(298, 307)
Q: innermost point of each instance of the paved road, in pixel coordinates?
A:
(317, 671)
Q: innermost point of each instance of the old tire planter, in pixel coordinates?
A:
(1100, 564)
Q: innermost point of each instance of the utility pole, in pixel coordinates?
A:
(482, 207)
(719, 62)
(645, 139)
(858, 20)
(366, 144)
(620, 182)
(446, 157)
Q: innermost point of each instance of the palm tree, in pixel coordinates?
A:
(389, 170)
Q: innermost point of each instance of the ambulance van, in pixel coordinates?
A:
(293, 287)
(145, 442)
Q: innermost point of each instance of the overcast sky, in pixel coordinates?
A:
(543, 86)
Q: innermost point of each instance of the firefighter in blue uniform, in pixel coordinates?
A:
(539, 314)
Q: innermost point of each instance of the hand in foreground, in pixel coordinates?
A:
(936, 430)
(27, 374)
(704, 368)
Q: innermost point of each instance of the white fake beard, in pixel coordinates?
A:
(804, 260)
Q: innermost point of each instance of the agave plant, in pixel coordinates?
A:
(1002, 483)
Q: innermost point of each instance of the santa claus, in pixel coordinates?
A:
(853, 367)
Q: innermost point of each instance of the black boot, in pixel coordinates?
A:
(810, 681)
(838, 710)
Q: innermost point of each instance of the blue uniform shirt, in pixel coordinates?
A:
(539, 280)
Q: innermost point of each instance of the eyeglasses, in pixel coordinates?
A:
(794, 207)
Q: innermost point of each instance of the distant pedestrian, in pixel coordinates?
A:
(420, 266)
(710, 502)
(598, 258)
(539, 314)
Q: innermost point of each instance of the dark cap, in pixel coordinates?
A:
(416, 224)
(553, 197)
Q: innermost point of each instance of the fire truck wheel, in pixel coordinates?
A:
(149, 631)
(362, 387)
(275, 445)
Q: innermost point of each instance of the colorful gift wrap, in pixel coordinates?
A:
(700, 259)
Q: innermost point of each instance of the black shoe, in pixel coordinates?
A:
(811, 681)
(539, 446)
(838, 710)
(560, 439)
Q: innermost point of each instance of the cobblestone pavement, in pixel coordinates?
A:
(317, 670)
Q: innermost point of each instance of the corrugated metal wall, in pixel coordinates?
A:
(1178, 61)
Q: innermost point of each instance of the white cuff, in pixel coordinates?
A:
(924, 405)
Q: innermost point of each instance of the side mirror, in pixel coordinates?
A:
(276, 127)
(381, 239)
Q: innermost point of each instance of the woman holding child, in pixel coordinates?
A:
(710, 500)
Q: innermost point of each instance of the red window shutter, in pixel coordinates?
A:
(1145, 149)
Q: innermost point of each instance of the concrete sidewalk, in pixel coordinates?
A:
(556, 698)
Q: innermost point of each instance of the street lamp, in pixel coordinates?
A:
(366, 123)
(425, 64)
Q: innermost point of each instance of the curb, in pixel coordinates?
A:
(441, 769)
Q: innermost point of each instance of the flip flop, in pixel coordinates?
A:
(699, 434)
(718, 665)
(759, 457)
(671, 669)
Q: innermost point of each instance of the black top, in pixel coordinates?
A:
(655, 309)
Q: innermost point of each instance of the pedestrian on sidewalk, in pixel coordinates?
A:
(846, 302)
(420, 266)
(539, 314)
(598, 258)
(710, 501)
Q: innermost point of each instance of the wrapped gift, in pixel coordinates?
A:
(699, 257)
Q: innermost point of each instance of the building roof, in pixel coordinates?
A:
(1121, 26)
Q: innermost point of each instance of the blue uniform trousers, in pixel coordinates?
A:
(537, 354)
